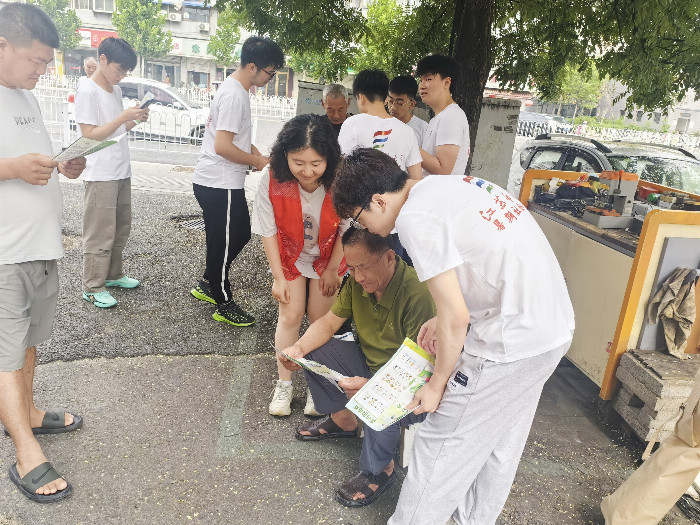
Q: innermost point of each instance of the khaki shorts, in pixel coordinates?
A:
(28, 294)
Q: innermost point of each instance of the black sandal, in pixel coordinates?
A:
(38, 477)
(55, 423)
(330, 428)
(360, 482)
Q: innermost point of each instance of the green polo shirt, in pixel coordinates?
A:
(382, 326)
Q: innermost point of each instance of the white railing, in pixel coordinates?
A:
(167, 128)
(688, 142)
(679, 140)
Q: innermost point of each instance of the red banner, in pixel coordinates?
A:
(97, 36)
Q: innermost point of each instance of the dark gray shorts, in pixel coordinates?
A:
(28, 294)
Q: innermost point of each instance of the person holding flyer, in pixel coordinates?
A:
(31, 242)
(299, 228)
(388, 303)
(100, 113)
(482, 256)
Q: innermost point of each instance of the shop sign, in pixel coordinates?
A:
(94, 37)
(177, 46)
(85, 37)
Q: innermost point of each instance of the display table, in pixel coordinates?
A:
(610, 275)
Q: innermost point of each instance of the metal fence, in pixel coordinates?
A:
(168, 128)
(680, 140)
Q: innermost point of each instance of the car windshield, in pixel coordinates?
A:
(675, 173)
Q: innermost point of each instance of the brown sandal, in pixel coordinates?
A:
(360, 482)
(330, 428)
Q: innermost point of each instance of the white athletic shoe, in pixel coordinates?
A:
(281, 399)
(310, 409)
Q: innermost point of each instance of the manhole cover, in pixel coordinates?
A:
(190, 223)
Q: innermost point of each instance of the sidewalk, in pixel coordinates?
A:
(175, 405)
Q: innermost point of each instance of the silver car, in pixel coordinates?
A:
(666, 165)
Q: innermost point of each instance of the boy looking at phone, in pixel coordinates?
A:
(101, 115)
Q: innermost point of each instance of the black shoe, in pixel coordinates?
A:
(203, 292)
(231, 313)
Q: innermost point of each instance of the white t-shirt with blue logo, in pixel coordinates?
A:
(508, 274)
(388, 135)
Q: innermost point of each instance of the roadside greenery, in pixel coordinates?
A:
(66, 21)
(222, 45)
(141, 23)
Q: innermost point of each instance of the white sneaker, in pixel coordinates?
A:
(281, 399)
(310, 409)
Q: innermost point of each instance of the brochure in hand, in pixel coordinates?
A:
(83, 147)
(317, 368)
(382, 401)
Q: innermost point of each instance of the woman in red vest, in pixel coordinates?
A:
(301, 235)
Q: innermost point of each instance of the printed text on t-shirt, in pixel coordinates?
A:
(504, 211)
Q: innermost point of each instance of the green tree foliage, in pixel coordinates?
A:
(325, 32)
(651, 46)
(385, 25)
(141, 23)
(66, 21)
(583, 89)
(222, 45)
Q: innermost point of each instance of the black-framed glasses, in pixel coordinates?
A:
(268, 73)
(354, 222)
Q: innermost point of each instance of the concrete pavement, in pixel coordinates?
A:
(175, 404)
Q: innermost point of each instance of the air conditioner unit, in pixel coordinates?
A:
(204, 26)
(175, 17)
(185, 16)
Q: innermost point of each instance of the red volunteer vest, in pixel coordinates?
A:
(286, 204)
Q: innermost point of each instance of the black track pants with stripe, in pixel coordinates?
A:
(227, 225)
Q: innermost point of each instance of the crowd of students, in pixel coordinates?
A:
(331, 183)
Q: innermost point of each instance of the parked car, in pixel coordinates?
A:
(172, 116)
(666, 165)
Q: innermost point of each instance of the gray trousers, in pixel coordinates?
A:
(465, 456)
(106, 228)
(378, 448)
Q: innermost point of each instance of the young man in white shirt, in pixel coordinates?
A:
(219, 177)
(499, 333)
(100, 112)
(445, 146)
(31, 210)
(402, 101)
(375, 128)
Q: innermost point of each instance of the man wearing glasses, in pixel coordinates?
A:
(401, 102)
(388, 304)
(219, 177)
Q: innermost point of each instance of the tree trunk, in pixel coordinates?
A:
(470, 45)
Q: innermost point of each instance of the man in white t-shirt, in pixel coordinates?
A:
(100, 113)
(500, 329)
(446, 141)
(31, 209)
(402, 101)
(375, 128)
(219, 177)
